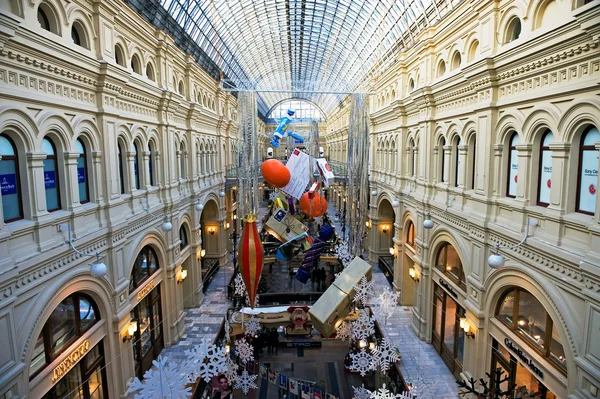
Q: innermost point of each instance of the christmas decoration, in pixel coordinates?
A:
(204, 360)
(227, 327)
(250, 257)
(469, 386)
(161, 381)
(232, 370)
(363, 292)
(252, 326)
(272, 196)
(246, 382)
(388, 302)
(363, 327)
(311, 257)
(256, 303)
(361, 393)
(384, 354)
(343, 331)
(313, 207)
(383, 393)
(362, 362)
(342, 252)
(238, 285)
(275, 173)
(244, 350)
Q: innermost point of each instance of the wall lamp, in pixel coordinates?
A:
(374, 193)
(167, 225)
(203, 253)
(393, 252)
(211, 230)
(199, 207)
(181, 275)
(496, 260)
(133, 326)
(466, 326)
(234, 216)
(227, 225)
(98, 269)
(395, 204)
(385, 228)
(368, 224)
(413, 274)
(221, 194)
(428, 223)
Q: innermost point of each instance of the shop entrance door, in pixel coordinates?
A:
(447, 337)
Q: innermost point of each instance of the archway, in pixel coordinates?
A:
(385, 226)
(211, 243)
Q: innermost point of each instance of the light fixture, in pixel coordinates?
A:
(374, 193)
(211, 230)
(413, 274)
(97, 269)
(362, 343)
(385, 228)
(181, 275)
(372, 345)
(227, 225)
(222, 194)
(203, 253)
(428, 223)
(199, 207)
(167, 225)
(368, 224)
(466, 326)
(395, 204)
(495, 260)
(234, 216)
(227, 348)
(392, 252)
(131, 329)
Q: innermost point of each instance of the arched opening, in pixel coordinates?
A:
(209, 223)
(386, 216)
(119, 55)
(545, 169)
(473, 50)
(180, 88)
(513, 30)
(411, 85)
(51, 176)
(183, 237)
(82, 172)
(79, 35)
(441, 69)
(548, 14)
(10, 183)
(150, 72)
(48, 18)
(408, 274)
(456, 60)
(587, 175)
(136, 65)
(513, 166)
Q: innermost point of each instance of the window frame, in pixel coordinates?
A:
(461, 281)
(579, 168)
(443, 159)
(14, 158)
(150, 165)
(410, 239)
(183, 237)
(134, 284)
(511, 148)
(85, 172)
(542, 148)
(54, 158)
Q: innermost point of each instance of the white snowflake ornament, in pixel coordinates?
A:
(239, 287)
(161, 381)
(384, 354)
(363, 327)
(244, 350)
(204, 361)
(343, 331)
(388, 302)
(362, 362)
(383, 393)
(252, 326)
(232, 370)
(342, 252)
(246, 382)
(363, 292)
(361, 393)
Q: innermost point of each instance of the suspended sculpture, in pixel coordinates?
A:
(281, 130)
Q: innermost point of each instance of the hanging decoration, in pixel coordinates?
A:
(252, 326)
(362, 362)
(388, 302)
(384, 393)
(161, 381)
(275, 173)
(363, 327)
(204, 360)
(343, 331)
(311, 257)
(239, 288)
(246, 382)
(232, 370)
(315, 206)
(363, 292)
(244, 350)
(361, 393)
(385, 354)
(250, 257)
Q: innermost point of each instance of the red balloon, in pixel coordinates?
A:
(275, 173)
(315, 206)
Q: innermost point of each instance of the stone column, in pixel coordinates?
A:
(35, 175)
(524, 154)
(97, 194)
(500, 175)
(72, 181)
(447, 158)
(462, 156)
(130, 171)
(146, 157)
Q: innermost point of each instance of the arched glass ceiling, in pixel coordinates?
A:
(303, 111)
(303, 45)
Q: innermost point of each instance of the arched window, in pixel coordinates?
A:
(410, 234)
(75, 315)
(51, 180)
(79, 36)
(119, 55)
(449, 263)
(121, 161)
(442, 159)
(136, 65)
(43, 19)
(47, 18)
(183, 239)
(456, 60)
(513, 166)
(457, 173)
(10, 183)
(545, 170)
(473, 49)
(136, 172)
(180, 87)
(587, 180)
(151, 164)
(145, 265)
(150, 72)
(513, 30)
(441, 70)
(411, 85)
(523, 313)
(472, 159)
(82, 172)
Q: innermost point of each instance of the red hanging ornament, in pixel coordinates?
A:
(250, 257)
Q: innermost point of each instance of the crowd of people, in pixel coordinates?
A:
(267, 338)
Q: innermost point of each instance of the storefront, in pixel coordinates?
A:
(148, 340)
(68, 357)
(526, 347)
(447, 337)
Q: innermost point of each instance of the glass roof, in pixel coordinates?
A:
(303, 46)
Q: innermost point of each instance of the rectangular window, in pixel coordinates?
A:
(450, 323)
(512, 173)
(589, 180)
(9, 190)
(545, 177)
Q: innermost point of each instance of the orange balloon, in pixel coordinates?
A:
(315, 206)
(275, 173)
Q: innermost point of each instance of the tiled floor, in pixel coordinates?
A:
(420, 362)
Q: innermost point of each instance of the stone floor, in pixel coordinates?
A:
(420, 362)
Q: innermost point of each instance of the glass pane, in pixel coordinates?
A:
(95, 384)
(70, 386)
(6, 147)
(136, 175)
(92, 356)
(503, 376)
(86, 314)
(157, 325)
(450, 323)
(513, 173)
(38, 360)
(506, 309)
(51, 184)
(525, 380)
(460, 349)
(9, 188)
(438, 316)
(79, 147)
(141, 268)
(47, 147)
(81, 179)
(532, 318)
(545, 176)
(591, 137)
(144, 325)
(62, 325)
(556, 348)
(453, 264)
(588, 181)
(153, 262)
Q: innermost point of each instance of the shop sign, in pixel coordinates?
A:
(448, 288)
(71, 360)
(305, 344)
(144, 291)
(524, 358)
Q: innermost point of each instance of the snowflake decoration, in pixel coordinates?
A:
(362, 362)
(273, 195)
(232, 370)
(239, 287)
(383, 393)
(163, 380)
(388, 302)
(204, 361)
(363, 327)
(246, 382)
(361, 393)
(343, 330)
(342, 252)
(252, 326)
(227, 329)
(244, 350)
(384, 354)
(247, 301)
(363, 292)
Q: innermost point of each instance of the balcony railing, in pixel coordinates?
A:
(386, 264)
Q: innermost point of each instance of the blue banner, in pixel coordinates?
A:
(49, 179)
(8, 184)
(81, 175)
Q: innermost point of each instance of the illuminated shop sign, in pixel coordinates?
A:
(448, 288)
(524, 358)
(144, 291)
(71, 360)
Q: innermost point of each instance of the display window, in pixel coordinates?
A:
(148, 339)
(513, 166)
(449, 263)
(447, 337)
